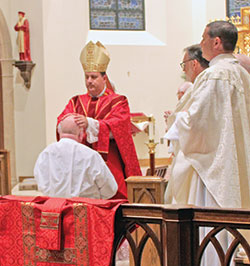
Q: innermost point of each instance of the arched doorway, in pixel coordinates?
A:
(7, 126)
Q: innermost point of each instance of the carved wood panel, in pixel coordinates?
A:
(150, 190)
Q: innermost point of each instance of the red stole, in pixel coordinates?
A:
(92, 107)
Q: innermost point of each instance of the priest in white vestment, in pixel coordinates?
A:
(193, 64)
(212, 151)
(69, 169)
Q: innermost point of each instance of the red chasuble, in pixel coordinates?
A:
(46, 231)
(112, 112)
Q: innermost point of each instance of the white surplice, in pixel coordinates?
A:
(70, 169)
(211, 167)
(214, 138)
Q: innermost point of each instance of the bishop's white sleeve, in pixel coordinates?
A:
(92, 130)
(104, 179)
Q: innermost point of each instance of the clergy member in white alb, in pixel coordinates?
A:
(214, 129)
(212, 163)
(69, 169)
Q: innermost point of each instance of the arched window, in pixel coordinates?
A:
(117, 15)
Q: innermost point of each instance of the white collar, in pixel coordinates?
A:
(216, 59)
(99, 95)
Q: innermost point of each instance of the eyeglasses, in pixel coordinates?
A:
(182, 64)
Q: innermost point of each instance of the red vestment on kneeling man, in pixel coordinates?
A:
(45, 231)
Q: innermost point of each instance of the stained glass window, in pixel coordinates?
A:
(233, 6)
(117, 15)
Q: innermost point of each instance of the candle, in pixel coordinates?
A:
(151, 128)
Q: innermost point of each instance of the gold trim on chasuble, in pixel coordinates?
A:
(74, 108)
(111, 108)
(81, 234)
(32, 254)
(83, 107)
(29, 237)
(50, 220)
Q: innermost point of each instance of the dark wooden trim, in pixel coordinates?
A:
(5, 178)
(1, 112)
(158, 162)
(227, 8)
(178, 243)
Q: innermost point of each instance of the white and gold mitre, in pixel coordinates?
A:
(94, 57)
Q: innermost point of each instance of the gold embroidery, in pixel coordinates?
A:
(81, 234)
(65, 256)
(83, 107)
(78, 255)
(29, 237)
(111, 109)
(50, 220)
(73, 105)
(94, 57)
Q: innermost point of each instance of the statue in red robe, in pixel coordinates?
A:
(106, 118)
(23, 38)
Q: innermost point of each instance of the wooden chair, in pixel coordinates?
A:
(5, 177)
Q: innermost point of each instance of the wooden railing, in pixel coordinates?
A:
(5, 178)
(178, 243)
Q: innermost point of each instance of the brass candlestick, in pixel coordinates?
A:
(151, 150)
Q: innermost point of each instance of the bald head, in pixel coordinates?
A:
(68, 128)
(244, 60)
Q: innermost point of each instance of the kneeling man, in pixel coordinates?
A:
(69, 169)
